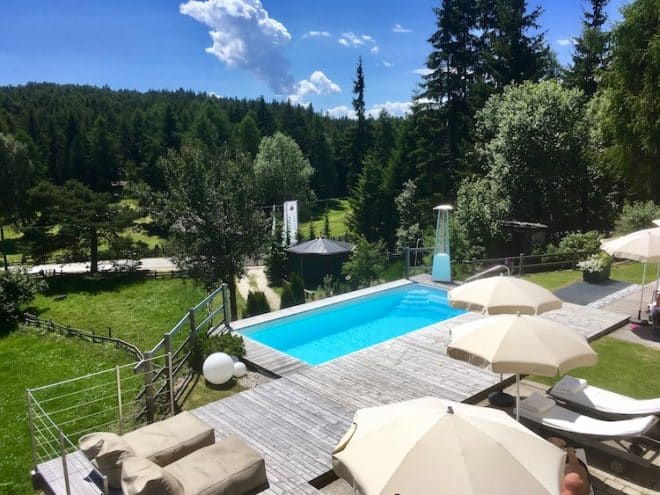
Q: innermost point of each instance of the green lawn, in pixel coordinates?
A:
(623, 367)
(29, 359)
(337, 211)
(136, 308)
(204, 393)
(624, 271)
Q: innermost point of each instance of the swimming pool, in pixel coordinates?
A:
(322, 334)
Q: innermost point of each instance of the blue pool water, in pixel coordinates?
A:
(319, 335)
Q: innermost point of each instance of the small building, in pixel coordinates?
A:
(525, 236)
(315, 259)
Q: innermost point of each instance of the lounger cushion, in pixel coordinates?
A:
(166, 441)
(229, 467)
(570, 385)
(107, 452)
(537, 403)
(140, 476)
(162, 442)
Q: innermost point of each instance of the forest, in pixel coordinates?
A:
(497, 128)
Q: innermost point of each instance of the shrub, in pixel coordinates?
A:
(288, 299)
(636, 216)
(578, 241)
(298, 288)
(16, 289)
(203, 344)
(257, 304)
(366, 263)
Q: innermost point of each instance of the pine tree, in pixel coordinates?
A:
(510, 53)
(591, 50)
(326, 224)
(444, 112)
(312, 230)
(360, 141)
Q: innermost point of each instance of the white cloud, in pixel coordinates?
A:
(395, 108)
(424, 71)
(564, 42)
(398, 28)
(317, 84)
(245, 36)
(387, 63)
(351, 39)
(341, 111)
(317, 34)
(213, 94)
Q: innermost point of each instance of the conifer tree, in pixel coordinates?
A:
(326, 224)
(591, 50)
(360, 133)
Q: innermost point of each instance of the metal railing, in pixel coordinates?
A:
(121, 398)
(419, 260)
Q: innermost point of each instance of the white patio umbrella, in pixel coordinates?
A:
(644, 246)
(657, 222)
(428, 446)
(523, 345)
(503, 295)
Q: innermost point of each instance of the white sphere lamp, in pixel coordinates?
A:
(239, 369)
(218, 368)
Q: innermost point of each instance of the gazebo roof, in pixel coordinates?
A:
(321, 246)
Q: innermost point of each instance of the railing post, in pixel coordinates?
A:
(28, 395)
(167, 340)
(407, 255)
(522, 258)
(191, 319)
(148, 387)
(170, 381)
(120, 406)
(225, 304)
(65, 468)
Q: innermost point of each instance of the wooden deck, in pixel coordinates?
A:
(296, 420)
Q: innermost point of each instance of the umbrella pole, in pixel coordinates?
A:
(641, 296)
(517, 397)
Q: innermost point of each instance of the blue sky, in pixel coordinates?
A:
(303, 49)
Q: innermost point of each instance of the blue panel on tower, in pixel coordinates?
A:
(441, 268)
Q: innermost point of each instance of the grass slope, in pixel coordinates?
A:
(623, 367)
(337, 211)
(29, 359)
(138, 309)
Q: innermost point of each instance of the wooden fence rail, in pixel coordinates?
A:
(90, 336)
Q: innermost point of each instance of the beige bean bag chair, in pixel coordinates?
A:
(229, 467)
(162, 442)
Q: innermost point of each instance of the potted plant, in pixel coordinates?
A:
(596, 268)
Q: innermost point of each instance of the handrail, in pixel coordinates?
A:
(492, 269)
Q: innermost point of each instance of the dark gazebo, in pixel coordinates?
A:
(317, 258)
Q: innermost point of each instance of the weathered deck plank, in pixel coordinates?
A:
(270, 360)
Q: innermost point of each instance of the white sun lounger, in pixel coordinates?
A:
(546, 412)
(577, 394)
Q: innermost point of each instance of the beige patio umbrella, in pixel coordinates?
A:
(428, 446)
(523, 345)
(503, 295)
(657, 222)
(642, 245)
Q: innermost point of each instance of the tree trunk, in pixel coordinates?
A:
(94, 251)
(232, 296)
(2, 241)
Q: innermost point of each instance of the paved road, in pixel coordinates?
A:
(151, 264)
(255, 279)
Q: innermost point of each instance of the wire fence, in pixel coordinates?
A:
(122, 398)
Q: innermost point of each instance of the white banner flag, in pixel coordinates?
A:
(291, 221)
